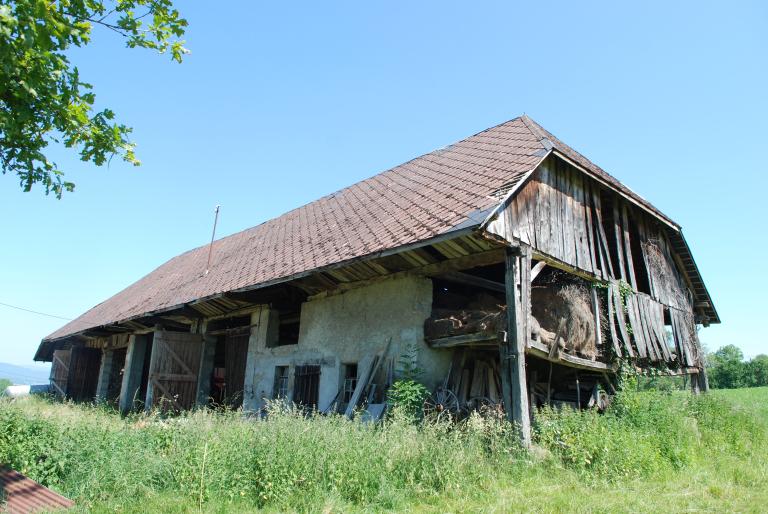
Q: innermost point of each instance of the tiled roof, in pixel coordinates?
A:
(423, 198)
(20, 495)
(415, 201)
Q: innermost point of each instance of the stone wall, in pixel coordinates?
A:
(348, 327)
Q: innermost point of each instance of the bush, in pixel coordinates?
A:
(407, 397)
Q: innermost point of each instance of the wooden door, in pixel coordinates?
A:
(84, 364)
(235, 354)
(60, 371)
(173, 370)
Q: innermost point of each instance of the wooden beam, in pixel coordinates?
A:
(471, 280)
(487, 258)
(165, 322)
(187, 312)
(476, 339)
(628, 247)
(512, 351)
(539, 349)
(537, 269)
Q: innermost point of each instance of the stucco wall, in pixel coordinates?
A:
(351, 327)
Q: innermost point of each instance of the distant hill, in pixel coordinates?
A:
(23, 375)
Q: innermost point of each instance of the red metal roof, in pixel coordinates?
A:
(21, 495)
(423, 198)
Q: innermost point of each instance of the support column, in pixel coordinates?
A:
(206, 370)
(703, 380)
(512, 350)
(157, 337)
(695, 383)
(264, 331)
(105, 372)
(134, 365)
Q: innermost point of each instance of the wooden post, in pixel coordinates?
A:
(105, 371)
(703, 380)
(134, 366)
(512, 351)
(149, 399)
(695, 384)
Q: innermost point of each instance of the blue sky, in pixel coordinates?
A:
(280, 103)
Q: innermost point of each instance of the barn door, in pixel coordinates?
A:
(235, 354)
(173, 370)
(83, 376)
(60, 371)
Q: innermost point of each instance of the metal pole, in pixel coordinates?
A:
(213, 235)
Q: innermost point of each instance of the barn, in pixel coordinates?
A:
(507, 269)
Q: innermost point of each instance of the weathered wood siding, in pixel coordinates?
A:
(83, 374)
(571, 219)
(551, 214)
(173, 370)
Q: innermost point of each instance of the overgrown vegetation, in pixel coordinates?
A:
(684, 452)
(4, 383)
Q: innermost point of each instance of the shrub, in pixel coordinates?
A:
(407, 397)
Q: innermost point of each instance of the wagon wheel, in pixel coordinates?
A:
(441, 405)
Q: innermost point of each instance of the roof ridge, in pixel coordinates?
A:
(335, 193)
(538, 131)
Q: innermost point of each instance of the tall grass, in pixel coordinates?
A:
(218, 461)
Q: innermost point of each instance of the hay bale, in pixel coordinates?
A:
(552, 303)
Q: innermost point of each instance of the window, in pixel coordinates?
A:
(306, 386)
(287, 328)
(350, 382)
(281, 382)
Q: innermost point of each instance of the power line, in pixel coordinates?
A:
(34, 312)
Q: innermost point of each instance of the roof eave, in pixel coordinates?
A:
(466, 227)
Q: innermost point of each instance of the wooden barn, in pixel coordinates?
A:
(512, 269)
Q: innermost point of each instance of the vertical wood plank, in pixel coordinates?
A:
(628, 247)
(596, 314)
(643, 232)
(543, 219)
(593, 257)
(611, 325)
(619, 239)
(621, 319)
(637, 332)
(605, 254)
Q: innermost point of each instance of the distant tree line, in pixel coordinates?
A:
(727, 369)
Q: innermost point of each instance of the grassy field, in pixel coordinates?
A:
(651, 451)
